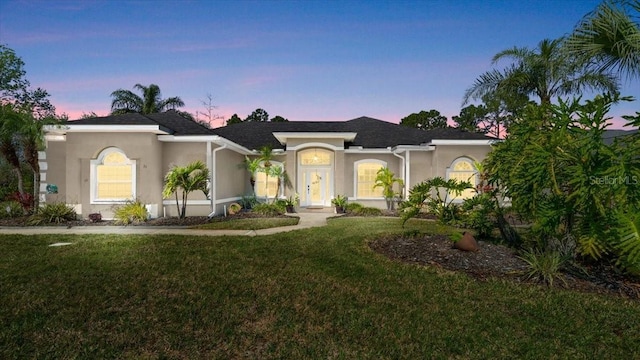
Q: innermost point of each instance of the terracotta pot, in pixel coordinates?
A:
(467, 243)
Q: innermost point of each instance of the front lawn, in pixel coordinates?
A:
(255, 223)
(314, 293)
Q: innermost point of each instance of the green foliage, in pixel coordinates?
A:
(353, 207)
(385, 179)
(434, 195)
(259, 115)
(567, 181)
(234, 119)
(369, 211)
(248, 201)
(609, 38)
(192, 177)
(131, 212)
(339, 201)
(628, 241)
(544, 72)
(10, 209)
(125, 101)
(425, 120)
(52, 213)
(544, 266)
(479, 214)
(266, 209)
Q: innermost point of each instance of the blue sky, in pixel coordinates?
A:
(303, 60)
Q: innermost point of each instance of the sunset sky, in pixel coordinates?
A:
(303, 60)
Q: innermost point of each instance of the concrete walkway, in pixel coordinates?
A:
(308, 219)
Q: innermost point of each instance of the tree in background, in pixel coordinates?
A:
(425, 120)
(258, 115)
(23, 114)
(208, 116)
(188, 178)
(494, 116)
(609, 38)
(234, 119)
(278, 118)
(125, 101)
(545, 72)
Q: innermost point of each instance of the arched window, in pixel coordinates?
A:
(267, 186)
(366, 172)
(462, 169)
(113, 177)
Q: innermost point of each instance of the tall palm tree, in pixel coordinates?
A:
(545, 72)
(125, 101)
(188, 178)
(609, 37)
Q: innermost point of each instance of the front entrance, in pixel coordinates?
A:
(316, 183)
(315, 177)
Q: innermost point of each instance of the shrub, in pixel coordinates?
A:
(369, 211)
(95, 217)
(479, 211)
(544, 266)
(248, 201)
(131, 212)
(25, 200)
(10, 209)
(52, 213)
(266, 209)
(353, 207)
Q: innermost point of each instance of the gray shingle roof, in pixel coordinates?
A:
(169, 121)
(371, 133)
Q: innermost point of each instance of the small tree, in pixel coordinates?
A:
(188, 179)
(385, 179)
(429, 194)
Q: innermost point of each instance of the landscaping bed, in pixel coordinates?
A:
(498, 261)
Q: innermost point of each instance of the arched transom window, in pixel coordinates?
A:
(113, 177)
(462, 169)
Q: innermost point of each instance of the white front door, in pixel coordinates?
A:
(315, 190)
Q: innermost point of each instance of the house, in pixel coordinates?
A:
(98, 163)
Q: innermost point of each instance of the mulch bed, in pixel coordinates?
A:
(496, 261)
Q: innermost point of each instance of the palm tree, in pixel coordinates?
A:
(385, 179)
(545, 72)
(125, 101)
(188, 178)
(252, 166)
(609, 38)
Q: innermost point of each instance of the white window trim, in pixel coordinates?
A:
(93, 177)
(450, 170)
(355, 178)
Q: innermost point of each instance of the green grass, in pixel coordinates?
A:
(249, 223)
(307, 294)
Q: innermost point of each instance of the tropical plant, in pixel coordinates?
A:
(248, 201)
(10, 209)
(436, 195)
(252, 166)
(575, 188)
(126, 101)
(131, 212)
(544, 266)
(52, 213)
(545, 72)
(188, 178)
(385, 179)
(282, 177)
(339, 201)
(608, 38)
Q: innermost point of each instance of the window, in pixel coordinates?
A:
(267, 186)
(113, 177)
(462, 169)
(366, 171)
